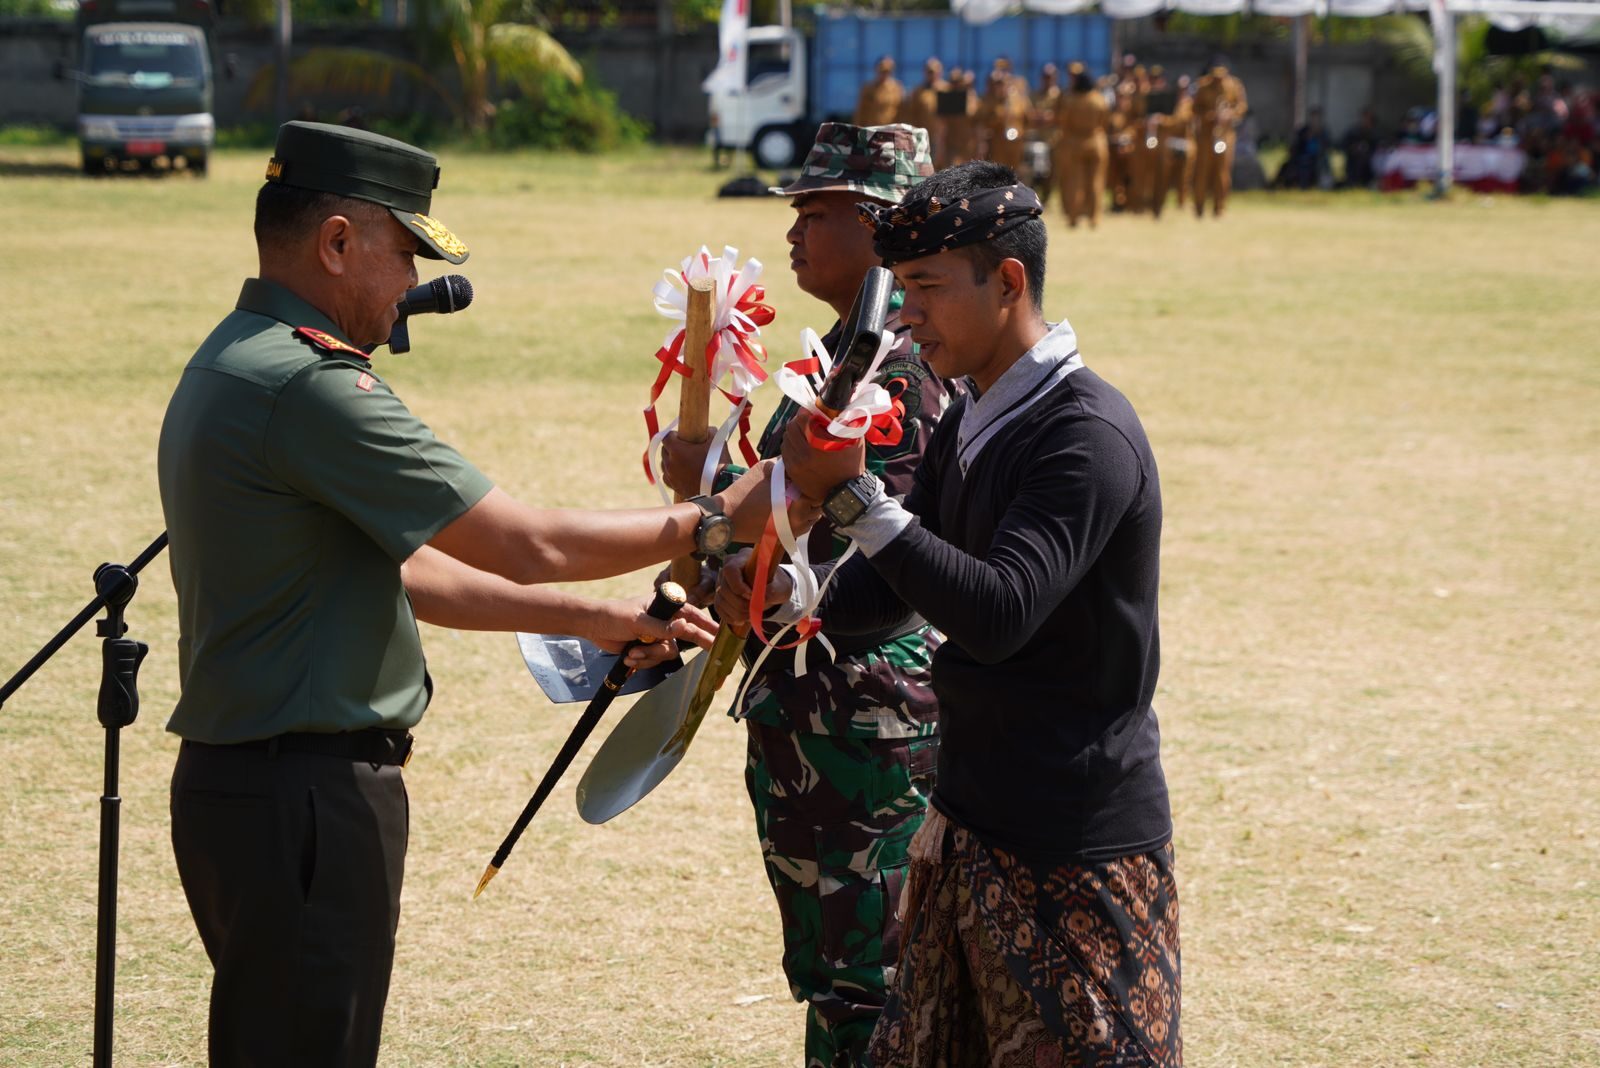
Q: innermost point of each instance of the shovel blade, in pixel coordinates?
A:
(636, 757)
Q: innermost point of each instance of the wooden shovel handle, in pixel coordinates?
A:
(694, 396)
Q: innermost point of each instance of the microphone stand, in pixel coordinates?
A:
(118, 707)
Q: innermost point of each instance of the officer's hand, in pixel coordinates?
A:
(733, 592)
(682, 462)
(748, 502)
(816, 471)
(703, 591)
(616, 623)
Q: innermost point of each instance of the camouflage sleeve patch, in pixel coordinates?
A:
(907, 379)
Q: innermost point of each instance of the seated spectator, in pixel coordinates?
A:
(1307, 165)
(1466, 117)
(1410, 132)
(1360, 145)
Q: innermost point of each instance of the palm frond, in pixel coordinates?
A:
(1411, 42)
(526, 55)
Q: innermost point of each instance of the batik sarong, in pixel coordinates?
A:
(1007, 963)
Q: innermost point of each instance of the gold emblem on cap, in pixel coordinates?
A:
(274, 170)
(448, 243)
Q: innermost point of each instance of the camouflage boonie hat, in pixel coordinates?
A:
(367, 166)
(883, 162)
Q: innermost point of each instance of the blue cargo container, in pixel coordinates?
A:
(847, 44)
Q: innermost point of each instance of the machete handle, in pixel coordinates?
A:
(741, 626)
(669, 598)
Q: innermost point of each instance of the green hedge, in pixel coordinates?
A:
(563, 115)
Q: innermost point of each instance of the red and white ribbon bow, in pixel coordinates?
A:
(873, 413)
(734, 354)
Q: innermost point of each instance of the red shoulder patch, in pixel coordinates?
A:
(327, 342)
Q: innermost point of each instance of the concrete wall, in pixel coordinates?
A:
(29, 92)
(665, 92)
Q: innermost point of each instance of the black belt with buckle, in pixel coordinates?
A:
(371, 746)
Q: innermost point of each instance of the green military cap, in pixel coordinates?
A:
(883, 162)
(367, 166)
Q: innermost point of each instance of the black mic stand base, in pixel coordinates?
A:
(120, 658)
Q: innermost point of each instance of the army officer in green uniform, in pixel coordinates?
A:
(313, 520)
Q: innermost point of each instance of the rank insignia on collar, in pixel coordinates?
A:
(327, 342)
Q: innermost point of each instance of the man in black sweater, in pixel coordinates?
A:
(1042, 908)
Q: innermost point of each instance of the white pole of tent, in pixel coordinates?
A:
(1302, 46)
(1444, 63)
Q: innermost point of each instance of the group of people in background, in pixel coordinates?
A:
(1127, 141)
(1554, 124)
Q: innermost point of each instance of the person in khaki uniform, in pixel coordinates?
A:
(313, 521)
(1119, 134)
(960, 131)
(1002, 115)
(1177, 145)
(1142, 161)
(921, 107)
(1220, 105)
(1042, 128)
(1150, 182)
(880, 99)
(1081, 147)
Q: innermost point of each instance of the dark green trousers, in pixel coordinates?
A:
(292, 865)
(835, 816)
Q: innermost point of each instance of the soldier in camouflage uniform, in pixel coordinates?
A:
(841, 759)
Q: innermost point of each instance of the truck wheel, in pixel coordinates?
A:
(92, 167)
(774, 147)
(199, 163)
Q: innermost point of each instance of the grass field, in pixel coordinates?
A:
(1377, 425)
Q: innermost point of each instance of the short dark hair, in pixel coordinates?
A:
(286, 213)
(1026, 242)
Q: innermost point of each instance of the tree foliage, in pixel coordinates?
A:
(351, 73)
(1478, 73)
(36, 9)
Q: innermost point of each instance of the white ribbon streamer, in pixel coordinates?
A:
(810, 591)
(870, 399)
(719, 441)
(652, 455)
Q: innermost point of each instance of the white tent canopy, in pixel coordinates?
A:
(1507, 14)
(1566, 15)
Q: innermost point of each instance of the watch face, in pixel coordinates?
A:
(844, 508)
(716, 532)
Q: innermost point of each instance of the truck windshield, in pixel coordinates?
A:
(152, 58)
(768, 59)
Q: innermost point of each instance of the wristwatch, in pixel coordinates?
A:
(848, 501)
(715, 532)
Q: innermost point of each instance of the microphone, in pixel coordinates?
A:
(445, 294)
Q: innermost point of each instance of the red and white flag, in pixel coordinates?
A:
(732, 30)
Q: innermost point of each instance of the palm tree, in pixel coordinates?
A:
(1478, 73)
(477, 36)
(484, 44)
